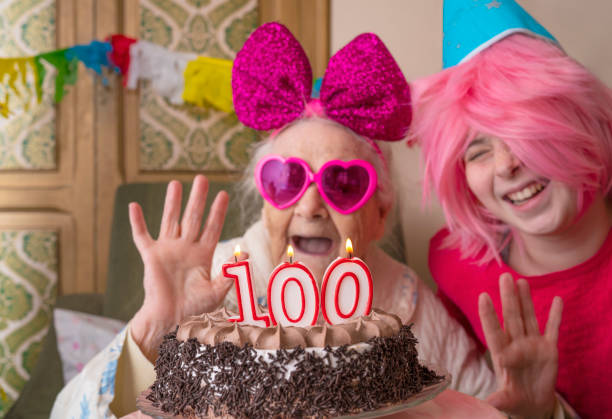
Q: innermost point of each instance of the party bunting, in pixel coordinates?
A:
(120, 54)
(11, 70)
(66, 71)
(209, 81)
(4, 106)
(94, 56)
(163, 68)
(179, 77)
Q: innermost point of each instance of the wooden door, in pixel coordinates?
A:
(48, 170)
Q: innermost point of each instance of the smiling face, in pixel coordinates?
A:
(522, 199)
(317, 232)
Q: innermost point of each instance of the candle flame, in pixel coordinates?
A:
(290, 251)
(237, 250)
(349, 246)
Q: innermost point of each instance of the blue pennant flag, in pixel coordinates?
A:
(94, 55)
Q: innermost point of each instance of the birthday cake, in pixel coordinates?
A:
(212, 367)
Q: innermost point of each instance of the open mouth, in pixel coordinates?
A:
(312, 245)
(528, 192)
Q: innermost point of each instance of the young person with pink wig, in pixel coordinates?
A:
(516, 141)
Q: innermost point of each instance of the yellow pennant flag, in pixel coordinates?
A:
(208, 81)
(11, 70)
(4, 106)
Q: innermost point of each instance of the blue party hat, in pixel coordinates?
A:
(473, 25)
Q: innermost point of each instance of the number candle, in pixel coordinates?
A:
(293, 297)
(241, 273)
(347, 289)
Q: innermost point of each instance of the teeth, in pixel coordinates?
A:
(526, 193)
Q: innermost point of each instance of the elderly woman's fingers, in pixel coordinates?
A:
(529, 317)
(494, 335)
(191, 223)
(170, 227)
(554, 320)
(221, 286)
(221, 281)
(214, 221)
(140, 234)
(511, 307)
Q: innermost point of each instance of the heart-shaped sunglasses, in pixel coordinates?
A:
(345, 186)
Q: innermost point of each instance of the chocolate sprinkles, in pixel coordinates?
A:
(199, 380)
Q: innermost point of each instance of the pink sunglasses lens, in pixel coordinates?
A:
(345, 187)
(282, 181)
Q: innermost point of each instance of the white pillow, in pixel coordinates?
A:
(80, 336)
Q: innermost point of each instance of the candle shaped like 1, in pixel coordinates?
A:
(351, 283)
(293, 297)
(240, 271)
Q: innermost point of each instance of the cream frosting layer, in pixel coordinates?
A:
(214, 328)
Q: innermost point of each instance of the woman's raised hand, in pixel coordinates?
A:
(525, 361)
(177, 265)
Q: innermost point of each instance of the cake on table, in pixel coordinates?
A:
(213, 367)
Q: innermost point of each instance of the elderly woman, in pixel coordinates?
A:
(314, 218)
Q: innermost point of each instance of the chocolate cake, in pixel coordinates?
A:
(211, 367)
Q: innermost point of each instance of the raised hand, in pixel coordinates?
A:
(177, 265)
(525, 361)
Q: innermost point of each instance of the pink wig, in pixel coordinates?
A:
(553, 114)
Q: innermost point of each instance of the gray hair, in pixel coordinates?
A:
(251, 201)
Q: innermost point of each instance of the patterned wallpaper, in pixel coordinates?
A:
(28, 286)
(189, 137)
(27, 137)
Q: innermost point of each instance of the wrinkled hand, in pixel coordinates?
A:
(177, 265)
(525, 361)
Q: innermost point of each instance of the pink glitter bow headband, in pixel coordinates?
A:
(363, 87)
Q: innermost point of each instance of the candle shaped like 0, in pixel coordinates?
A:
(240, 271)
(293, 297)
(351, 282)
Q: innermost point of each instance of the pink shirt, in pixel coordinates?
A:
(585, 336)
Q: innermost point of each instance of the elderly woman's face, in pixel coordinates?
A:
(316, 231)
